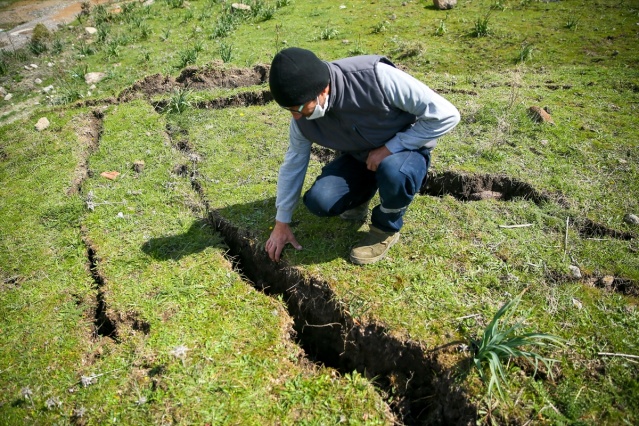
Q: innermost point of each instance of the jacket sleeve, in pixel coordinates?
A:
(292, 173)
(435, 115)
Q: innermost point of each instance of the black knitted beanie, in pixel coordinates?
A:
(297, 76)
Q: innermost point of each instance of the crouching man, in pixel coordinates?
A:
(384, 123)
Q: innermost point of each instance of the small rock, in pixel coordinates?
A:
(148, 2)
(93, 87)
(574, 271)
(42, 124)
(33, 66)
(485, 195)
(138, 166)
(444, 4)
(121, 215)
(50, 64)
(631, 219)
(240, 6)
(607, 280)
(577, 303)
(90, 30)
(3, 91)
(544, 142)
(47, 89)
(94, 77)
(8, 97)
(540, 115)
(37, 81)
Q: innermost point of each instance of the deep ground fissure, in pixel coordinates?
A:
(418, 387)
(103, 325)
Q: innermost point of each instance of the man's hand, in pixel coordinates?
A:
(376, 156)
(280, 236)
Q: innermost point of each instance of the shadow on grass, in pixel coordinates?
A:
(174, 247)
(323, 239)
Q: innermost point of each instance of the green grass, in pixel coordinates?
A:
(456, 264)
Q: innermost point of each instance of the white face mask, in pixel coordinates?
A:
(319, 110)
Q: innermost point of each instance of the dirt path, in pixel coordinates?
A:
(18, 19)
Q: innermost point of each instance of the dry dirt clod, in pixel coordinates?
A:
(631, 219)
(138, 166)
(607, 281)
(539, 115)
(42, 124)
(112, 175)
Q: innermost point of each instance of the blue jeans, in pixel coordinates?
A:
(346, 183)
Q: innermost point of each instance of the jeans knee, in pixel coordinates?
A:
(317, 203)
(404, 173)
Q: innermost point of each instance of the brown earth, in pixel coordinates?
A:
(18, 19)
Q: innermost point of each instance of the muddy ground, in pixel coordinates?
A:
(18, 19)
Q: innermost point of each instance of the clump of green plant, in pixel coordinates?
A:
(441, 28)
(482, 26)
(112, 49)
(226, 52)
(380, 27)
(501, 342)
(101, 14)
(224, 26)
(328, 32)
(179, 102)
(57, 46)
(282, 3)
(175, 3)
(145, 31)
(85, 49)
(38, 43)
(166, 33)
(188, 16)
(4, 65)
(357, 48)
(498, 5)
(526, 53)
(572, 23)
(266, 13)
(103, 33)
(68, 92)
(187, 57)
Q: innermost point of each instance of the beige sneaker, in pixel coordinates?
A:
(373, 246)
(358, 214)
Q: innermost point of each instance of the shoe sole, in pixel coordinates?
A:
(369, 260)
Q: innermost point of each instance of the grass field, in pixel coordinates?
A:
(148, 299)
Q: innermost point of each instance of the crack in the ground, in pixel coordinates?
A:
(419, 388)
(422, 390)
(88, 131)
(103, 324)
(195, 78)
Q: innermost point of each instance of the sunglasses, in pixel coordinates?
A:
(298, 110)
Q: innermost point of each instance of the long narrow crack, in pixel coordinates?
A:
(418, 387)
(422, 390)
(104, 325)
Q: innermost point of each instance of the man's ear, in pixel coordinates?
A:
(326, 90)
